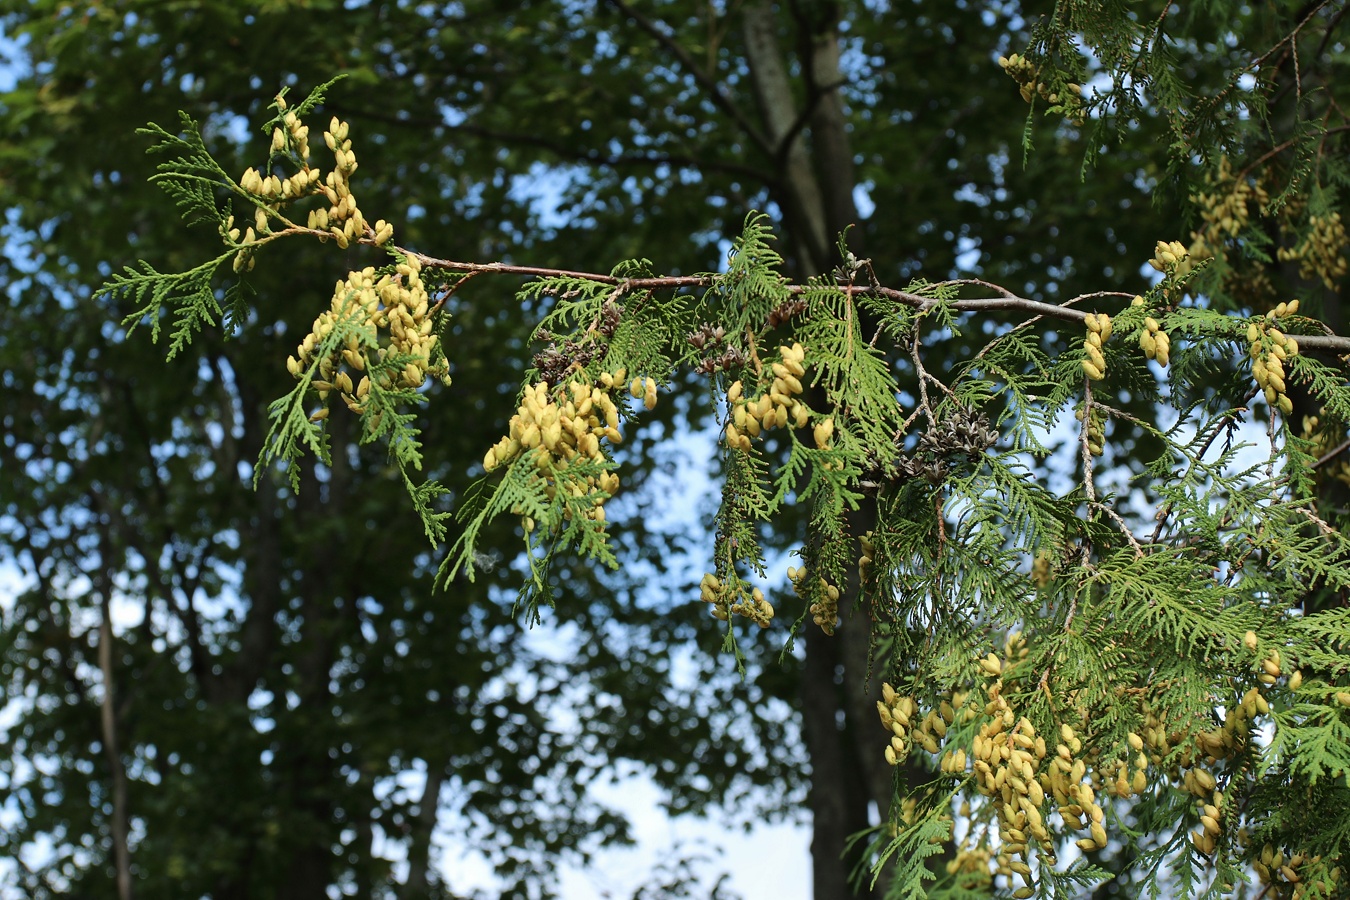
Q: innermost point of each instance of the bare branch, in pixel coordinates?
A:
(1006, 301)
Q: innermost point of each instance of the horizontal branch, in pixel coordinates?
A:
(1006, 300)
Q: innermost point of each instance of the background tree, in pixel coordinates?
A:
(762, 127)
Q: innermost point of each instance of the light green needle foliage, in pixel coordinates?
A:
(1136, 671)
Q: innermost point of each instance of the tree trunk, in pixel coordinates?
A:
(802, 205)
(117, 773)
(849, 777)
(121, 849)
(418, 885)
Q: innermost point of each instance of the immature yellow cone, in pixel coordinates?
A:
(823, 432)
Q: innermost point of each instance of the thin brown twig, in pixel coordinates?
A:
(1006, 301)
(923, 389)
(450, 291)
(1124, 529)
(1331, 454)
(1288, 38)
(1088, 487)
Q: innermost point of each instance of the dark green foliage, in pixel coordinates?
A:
(1159, 556)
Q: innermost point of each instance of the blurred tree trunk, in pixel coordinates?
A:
(814, 187)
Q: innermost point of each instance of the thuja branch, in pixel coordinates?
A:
(1129, 644)
(1004, 302)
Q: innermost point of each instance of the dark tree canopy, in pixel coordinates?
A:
(284, 659)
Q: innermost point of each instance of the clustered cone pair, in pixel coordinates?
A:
(395, 301)
(1270, 347)
(776, 407)
(1224, 209)
(558, 435)
(867, 557)
(1289, 876)
(1011, 765)
(1098, 333)
(1321, 253)
(732, 600)
(1153, 340)
(1015, 767)
(824, 608)
(1096, 430)
(1024, 72)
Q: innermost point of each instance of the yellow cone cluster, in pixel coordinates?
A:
(1096, 429)
(275, 191)
(342, 220)
(1028, 776)
(1321, 253)
(1015, 767)
(1172, 259)
(1224, 208)
(1206, 839)
(776, 407)
(644, 389)
(1270, 347)
(1289, 877)
(1322, 442)
(1098, 333)
(1041, 573)
(1008, 758)
(1019, 770)
(897, 715)
(909, 815)
(1153, 340)
(557, 436)
(869, 552)
(1191, 760)
(1024, 72)
(825, 609)
(733, 600)
(395, 302)
(1127, 777)
(1270, 667)
(556, 433)
(970, 864)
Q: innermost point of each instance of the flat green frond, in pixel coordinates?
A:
(190, 174)
(291, 434)
(188, 296)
